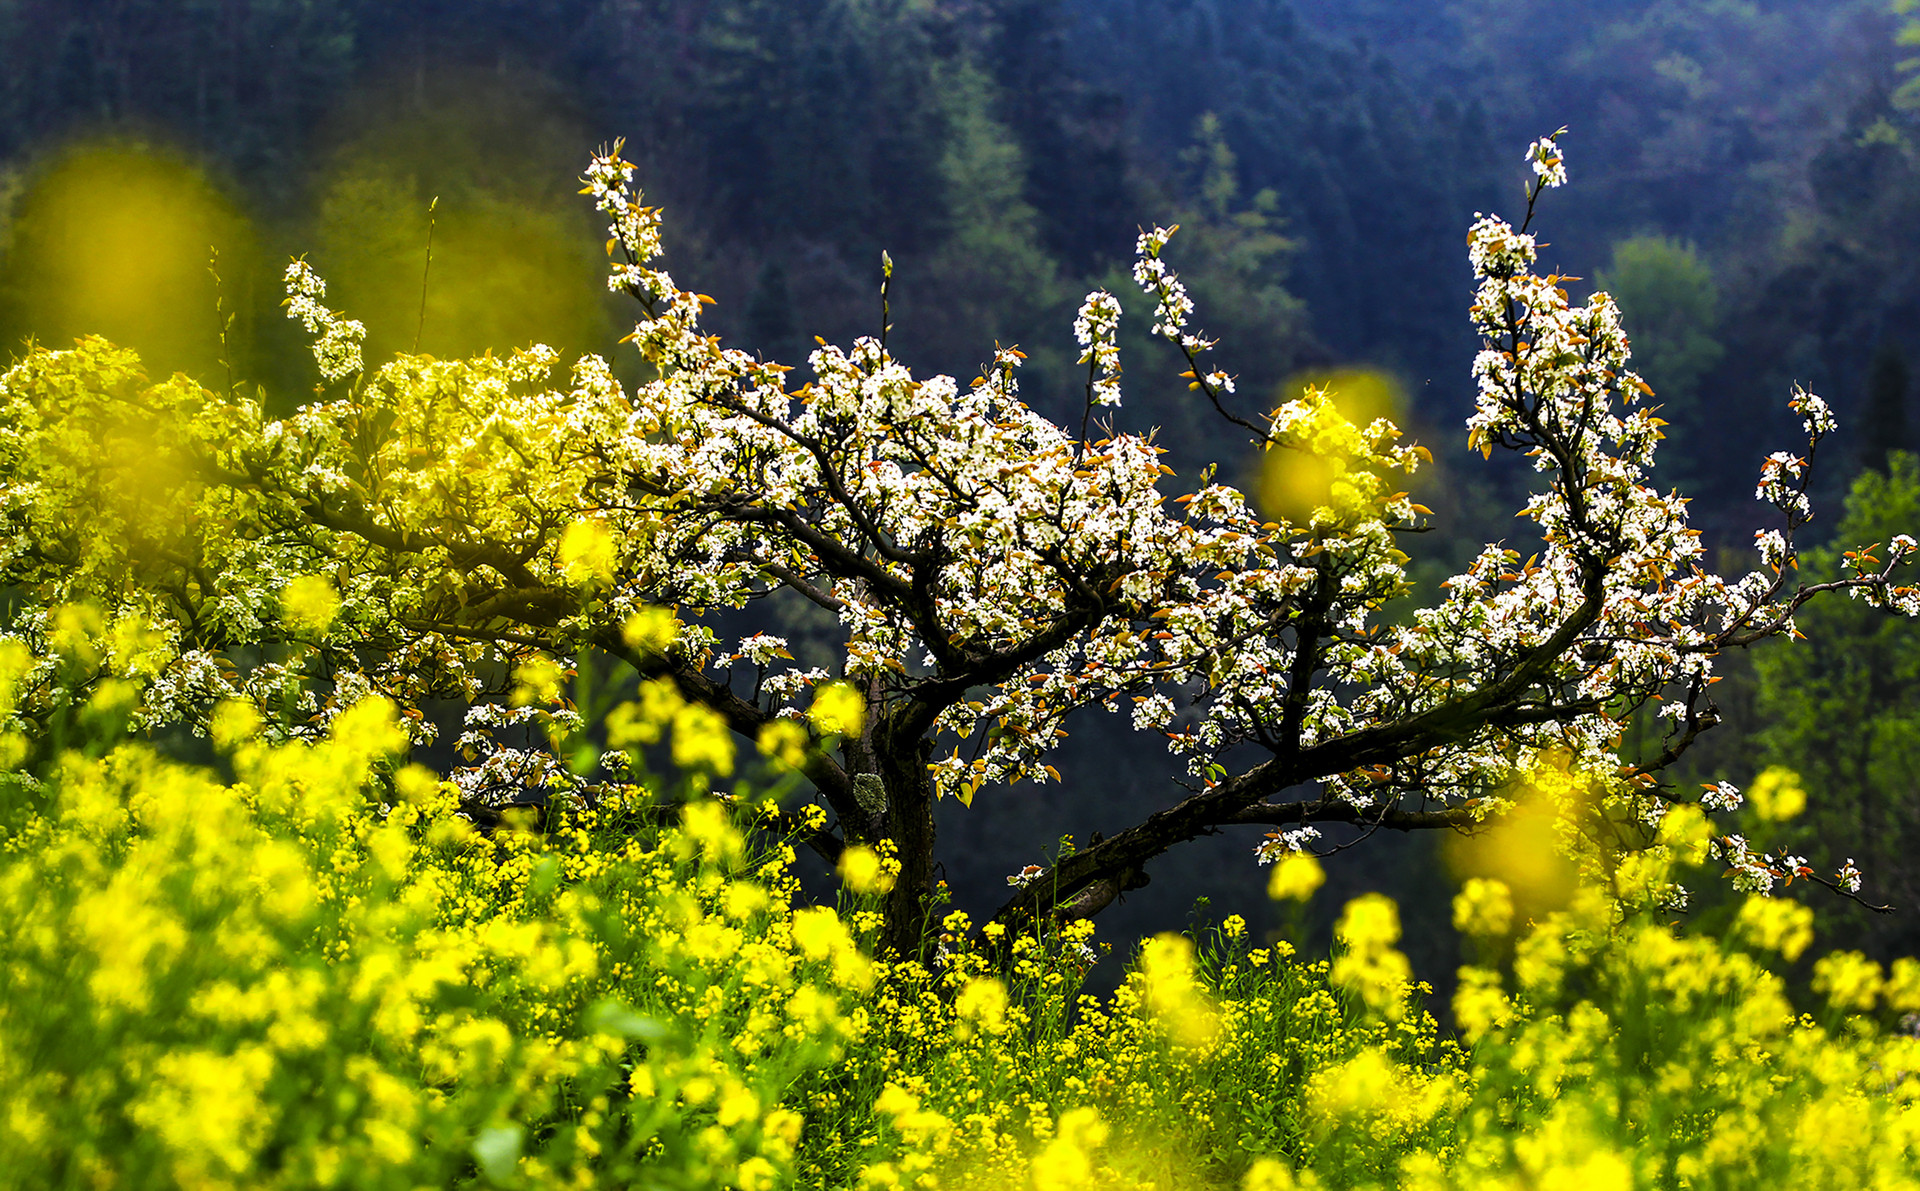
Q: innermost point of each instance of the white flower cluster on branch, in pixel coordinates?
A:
(336, 339)
(1096, 329)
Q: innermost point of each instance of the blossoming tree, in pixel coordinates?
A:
(473, 529)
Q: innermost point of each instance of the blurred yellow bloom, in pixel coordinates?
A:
(756, 1174)
(537, 681)
(1778, 924)
(818, 931)
(1269, 1174)
(1776, 794)
(701, 740)
(983, 1003)
(310, 605)
(707, 831)
(651, 630)
(587, 552)
(1903, 986)
(76, 632)
(1297, 876)
(784, 742)
(1180, 1008)
(1483, 907)
(16, 661)
(1370, 966)
(738, 1104)
(1850, 980)
(838, 708)
(863, 870)
(646, 721)
(206, 1109)
(234, 723)
(1068, 1160)
(1478, 1003)
(1368, 1082)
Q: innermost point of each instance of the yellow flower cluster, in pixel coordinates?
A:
(318, 974)
(315, 973)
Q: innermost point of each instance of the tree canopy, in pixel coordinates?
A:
(477, 529)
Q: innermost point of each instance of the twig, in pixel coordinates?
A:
(425, 272)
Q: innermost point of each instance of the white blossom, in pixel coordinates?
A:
(1281, 843)
(1722, 796)
(1548, 165)
(1096, 329)
(1026, 876)
(336, 347)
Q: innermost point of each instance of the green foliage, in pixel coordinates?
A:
(73, 67)
(1670, 307)
(991, 275)
(1843, 708)
(1241, 261)
(1909, 35)
(69, 270)
(514, 261)
(1368, 179)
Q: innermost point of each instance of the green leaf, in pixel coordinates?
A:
(610, 1016)
(546, 875)
(497, 1150)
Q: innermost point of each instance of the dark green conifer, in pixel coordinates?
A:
(1883, 424)
(770, 325)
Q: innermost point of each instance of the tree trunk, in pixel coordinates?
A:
(908, 822)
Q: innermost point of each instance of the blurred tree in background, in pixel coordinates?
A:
(1371, 180)
(1884, 428)
(1842, 708)
(1673, 312)
(73, 267)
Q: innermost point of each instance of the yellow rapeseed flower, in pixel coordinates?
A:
(587, 552)
(817, 931)
(1776, 795)
(1850, 980)
(1370, 965)
(1483, 907)
(784, 742)
(1778, 924)
(310, 604)
(982, 1003)
(701, 740)
(1068, 1160)
(863, 871)
(1270, 1174)
(234, 722)
(651, 630)
(1478, 1003)
(1179, 1007)
(706, 830)
(537, 681)
(838, 708)
(1297, 877)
